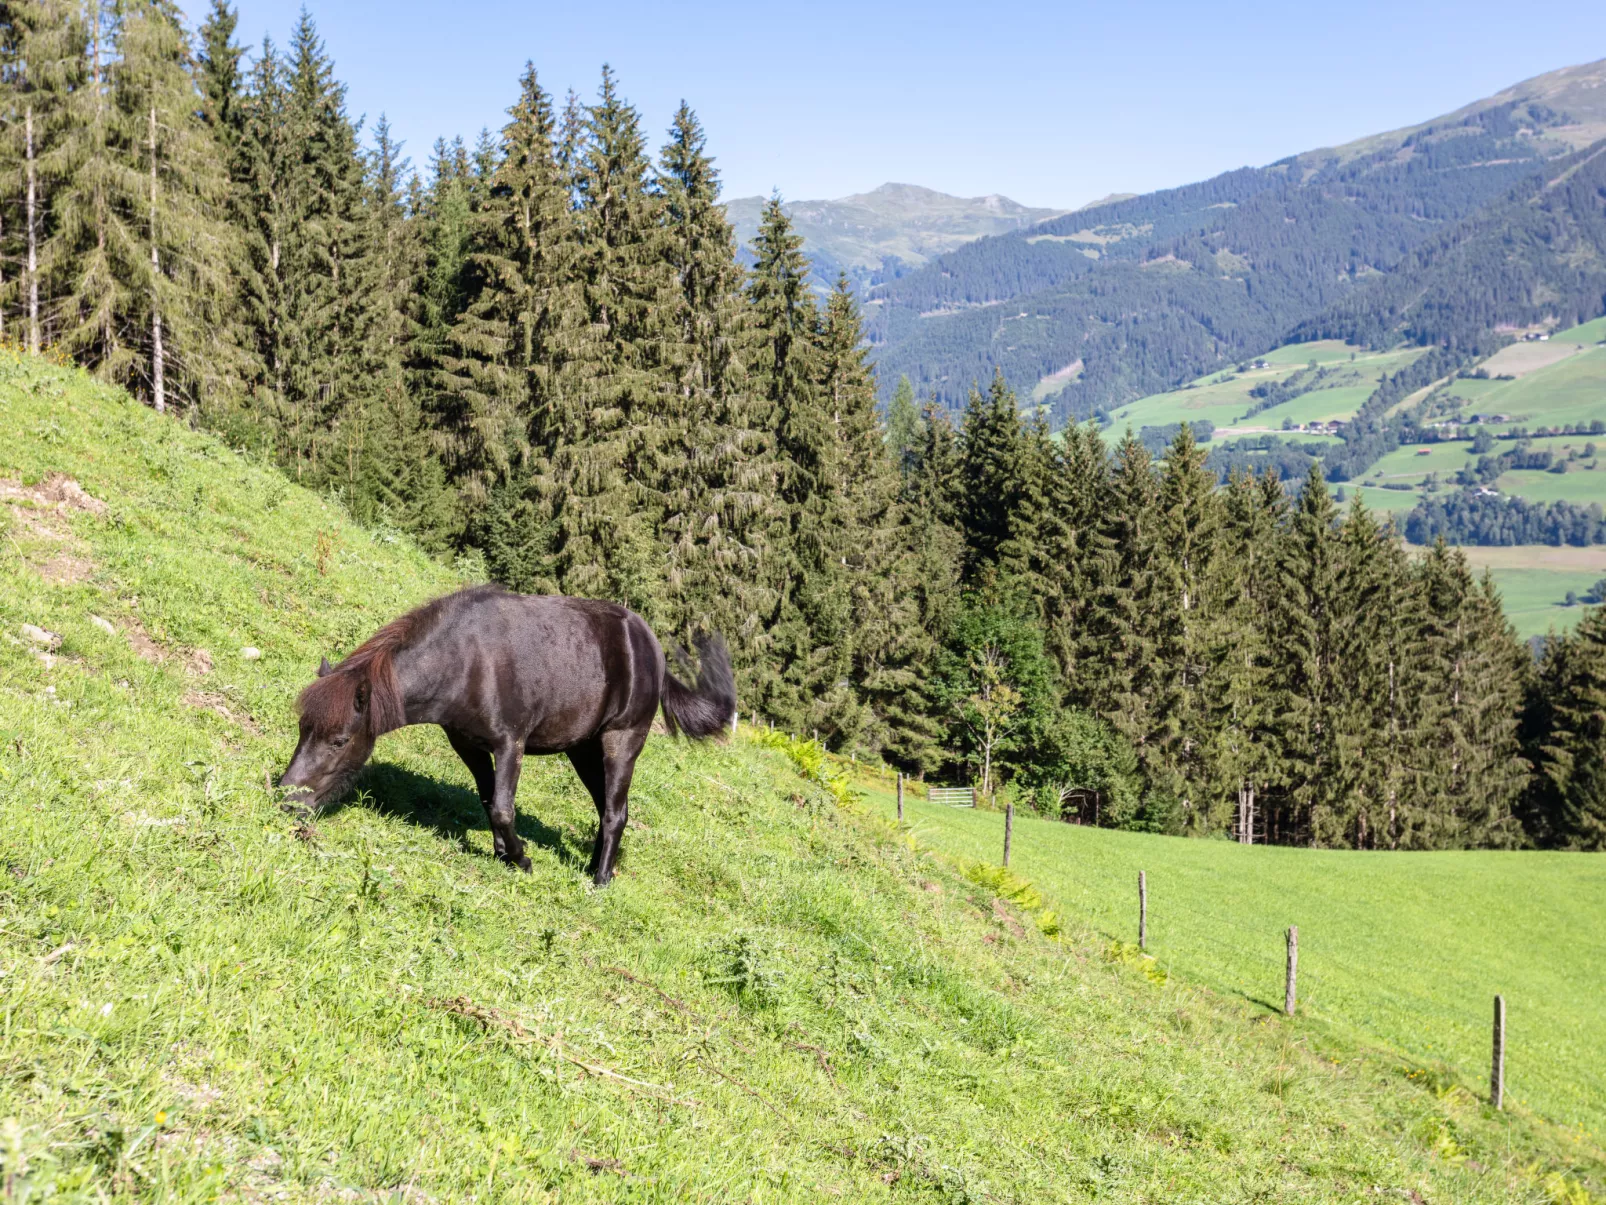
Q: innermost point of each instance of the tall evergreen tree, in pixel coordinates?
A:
(1188, 519)
(41, 65)
(171, 299)
(903, 425)
(1119, 674)
(718, 476)
(1306, 622)
(606, 451)
(993, 470)
(1565, 737)
(783, 376)
(504, 381)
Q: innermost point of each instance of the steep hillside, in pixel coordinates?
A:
(778, 999)
(887, 231)
(1534, 258)
(1111, 303)
(1393, 946)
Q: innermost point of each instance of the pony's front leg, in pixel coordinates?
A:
(504, 816)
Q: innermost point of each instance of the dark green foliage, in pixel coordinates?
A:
(1565, 738)
(546, 355)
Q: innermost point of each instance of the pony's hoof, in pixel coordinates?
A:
(524, 864)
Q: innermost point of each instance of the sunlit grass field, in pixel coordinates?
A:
(778, 999)
(1406, 950)
(1225, 402)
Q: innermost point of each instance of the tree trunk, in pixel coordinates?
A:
(33, 232)
(158, 358)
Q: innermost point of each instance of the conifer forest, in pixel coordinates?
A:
(542, 354)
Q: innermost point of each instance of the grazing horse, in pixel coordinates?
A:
(509, 674)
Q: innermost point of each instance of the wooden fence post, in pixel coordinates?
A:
(900, 798)
(1009, 826)
(1497, 1069)
(1293, 970)
(1143, 910)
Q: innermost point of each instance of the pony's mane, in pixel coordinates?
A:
(328, 700)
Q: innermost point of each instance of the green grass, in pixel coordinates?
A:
(1535, 600)
(1578, 484)
(1226, 402)
(1321, 405)
(1395, 502)
(1593, 331)
(1405, 950)
(1573, 391)
(778, 999)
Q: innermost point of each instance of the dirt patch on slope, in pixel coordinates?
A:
(40, 512)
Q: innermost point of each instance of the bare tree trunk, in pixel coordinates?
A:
(158, 364)
(987, 766)
(33, 232)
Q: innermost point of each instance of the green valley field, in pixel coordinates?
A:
(1530, 385)
(1396, 949)
(777, 1000)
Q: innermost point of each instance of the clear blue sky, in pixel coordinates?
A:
(1049, 103)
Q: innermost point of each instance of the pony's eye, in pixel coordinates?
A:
(339, 741)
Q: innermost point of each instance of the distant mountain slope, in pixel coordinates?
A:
(1094, 308)
(889, 230)
(1534, 258)
(1576, 94)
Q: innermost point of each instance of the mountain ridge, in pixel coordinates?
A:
(1152, 291)
(879, 234)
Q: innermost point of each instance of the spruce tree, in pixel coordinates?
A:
(220, 78)
(1118, 672)
(718, 482)
(337, 307)
(930, 531)
(606, 450)
(504, 390)
(1241, 588)
(809, 615)
(173, 295)
(399, 477)
(1188, 520)
(1305, 624)
(903, 425)
(41, 65)
(1565, 730)
(889, 646)
(993, 449)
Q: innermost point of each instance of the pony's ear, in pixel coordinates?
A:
(324, 667)
(360, 699)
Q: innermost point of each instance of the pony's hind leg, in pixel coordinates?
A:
(586, 758)
(619, 752)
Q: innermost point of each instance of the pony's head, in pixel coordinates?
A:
(343, 711)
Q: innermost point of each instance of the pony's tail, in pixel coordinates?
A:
(707, 708)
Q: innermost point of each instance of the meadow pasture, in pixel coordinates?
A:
(781, 997)
(1404, 950)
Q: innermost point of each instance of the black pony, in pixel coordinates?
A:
(505, 675)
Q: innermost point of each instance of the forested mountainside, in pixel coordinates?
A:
(881, 234)
(1536, 257)
(1107, 304)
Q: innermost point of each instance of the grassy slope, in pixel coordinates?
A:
(777, 999)
(1225, 401)
(1401, 949)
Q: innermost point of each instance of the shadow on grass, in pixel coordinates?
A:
(448, 811)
